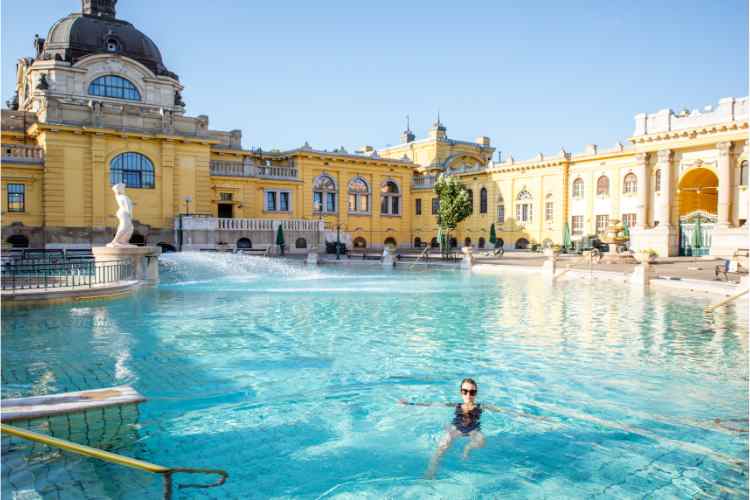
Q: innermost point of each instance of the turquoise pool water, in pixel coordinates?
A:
(289, 379)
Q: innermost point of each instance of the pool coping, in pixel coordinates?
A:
(67, 294)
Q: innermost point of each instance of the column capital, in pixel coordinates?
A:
(664, 155)
(724, 147)
(641, 159)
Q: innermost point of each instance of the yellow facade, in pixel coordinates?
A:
(63, 132)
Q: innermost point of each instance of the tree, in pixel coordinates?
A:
(493, 235)
(455, 205)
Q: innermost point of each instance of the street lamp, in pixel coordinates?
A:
(187, 199)
(318, 208)
(338, 241)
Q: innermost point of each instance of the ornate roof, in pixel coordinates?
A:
(95, 30)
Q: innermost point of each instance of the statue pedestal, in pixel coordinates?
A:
(388, 261)
(145, 260)
(312, 259)
(550, 266)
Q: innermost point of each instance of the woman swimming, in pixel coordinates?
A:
(465, 423)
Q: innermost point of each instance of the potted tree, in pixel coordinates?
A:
(455, 206)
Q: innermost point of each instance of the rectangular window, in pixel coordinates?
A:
(225, 196)
(628, 219)
(549, 211)
(577, 224)
(16, 198)
(418, 206)
(501, 214)
(435, 206)
(317, 201)
(283, 201)
(278, 201)
(395, 209)
(330, 202)
(602, 223)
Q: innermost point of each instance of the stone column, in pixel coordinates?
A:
(642, 171)
(725, 182)
(664, 208)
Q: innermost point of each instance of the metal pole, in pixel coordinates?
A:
(338, 241)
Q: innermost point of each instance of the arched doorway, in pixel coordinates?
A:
(359, 242)
(481, 243)
(244, 243)
(454, 243)
(300, 243)
(522, 244)
(697, 198)
(390, 242)
(417, 242)
(467, 242)
(434, 243)
(18, 241)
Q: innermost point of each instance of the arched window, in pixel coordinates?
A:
(390, 242)
(743, 173)
(434, 243)
(578, 188)
(132, 169)
(500, 209)
(359, 242)
(300, 243)
(467, 242)
(359, 196)
(324, 194)
(522, 244)
(524, 207)
(114, 86)
(481, 242)
(483, 201)
(602, 186)
(244, 243)
(471, 200)
(390, 199)
(657, 181)
(18, 241)
(630, 184)
(417, 242)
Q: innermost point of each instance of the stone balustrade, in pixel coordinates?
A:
(202, 223)
(222, 168)
(22, 153)
(423, 181)
(728, 110)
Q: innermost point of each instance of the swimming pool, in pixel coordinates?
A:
(289, 379)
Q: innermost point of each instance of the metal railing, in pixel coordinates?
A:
(44, 274)
(88, 451)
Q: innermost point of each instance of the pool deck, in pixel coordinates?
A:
(68, 402)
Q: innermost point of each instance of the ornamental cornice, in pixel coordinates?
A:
(689, 133)
(725, 148)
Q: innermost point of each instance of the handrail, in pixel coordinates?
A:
(107, 456)
(710, 309)
(424, 252)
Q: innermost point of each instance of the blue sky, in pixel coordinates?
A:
(533, 76)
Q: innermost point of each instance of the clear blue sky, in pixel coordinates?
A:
(533, 76)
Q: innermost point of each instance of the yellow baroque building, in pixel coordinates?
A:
(97, 106)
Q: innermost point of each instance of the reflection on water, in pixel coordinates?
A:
(274, 371)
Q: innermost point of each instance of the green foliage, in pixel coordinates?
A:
(493, 235)
(455, 204)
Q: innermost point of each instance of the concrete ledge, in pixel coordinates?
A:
(697, 286)
(68, 402)
(67, 294)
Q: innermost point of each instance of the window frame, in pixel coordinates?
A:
(390, 202)
(108, 87)
(20, 197)
(328, 195)
(355, 197)
(605, 218)
(630, 183)
(277, 197)
(418, 206)
(483, 200)
(602, 186)
(122, 170)
(578, 193)
(576, 225)
(629, 216)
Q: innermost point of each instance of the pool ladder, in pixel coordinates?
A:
(425, 253)
(88, 451)
(712, 308)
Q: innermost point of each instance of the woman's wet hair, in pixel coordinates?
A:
(470, 381)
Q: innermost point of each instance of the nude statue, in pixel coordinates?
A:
(124, 218)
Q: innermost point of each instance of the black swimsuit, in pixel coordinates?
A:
(467, 422)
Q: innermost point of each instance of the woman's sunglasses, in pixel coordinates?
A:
(473, 392)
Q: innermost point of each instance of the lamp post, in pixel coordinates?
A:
(318, 208)
(338, 241)
(187, 199)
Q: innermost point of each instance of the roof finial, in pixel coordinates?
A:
(407, 123)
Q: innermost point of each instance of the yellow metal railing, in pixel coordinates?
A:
(712, 308)
(114, 458)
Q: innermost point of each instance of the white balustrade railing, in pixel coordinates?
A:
(225, 168)
(201, 223)
(423, 181)
(23, 153)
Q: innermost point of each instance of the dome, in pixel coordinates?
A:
(92, 32)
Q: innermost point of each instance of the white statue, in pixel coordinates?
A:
(124, 218)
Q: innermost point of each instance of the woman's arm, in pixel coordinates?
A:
(405, 402)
